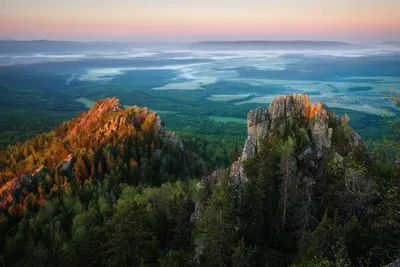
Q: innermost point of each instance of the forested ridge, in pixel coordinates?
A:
(114, 187)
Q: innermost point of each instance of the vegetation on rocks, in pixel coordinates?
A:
(114, 187)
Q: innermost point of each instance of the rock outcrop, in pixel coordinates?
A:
(12, 190)
(257, 127)
(293, 113)
(112, 116)
(96, 113)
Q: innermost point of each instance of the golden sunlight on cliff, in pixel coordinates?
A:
(314, 110)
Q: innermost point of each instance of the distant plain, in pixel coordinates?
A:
(187, 84)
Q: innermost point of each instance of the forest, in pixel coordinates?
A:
(114, 187)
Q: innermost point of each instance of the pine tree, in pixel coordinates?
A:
(242, 255)
(80, 170)
(216, 230)
(287, 166)
(92, 170)
(99, 169)
(327, 242)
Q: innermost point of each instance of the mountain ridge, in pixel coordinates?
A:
(273, 42)
(107, 122)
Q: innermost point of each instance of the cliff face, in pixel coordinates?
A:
(293, 113)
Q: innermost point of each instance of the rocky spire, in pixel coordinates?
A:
(291, 113)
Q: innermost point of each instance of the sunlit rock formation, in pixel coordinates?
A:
(291, 114)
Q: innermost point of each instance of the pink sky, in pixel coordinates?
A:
(140, 19)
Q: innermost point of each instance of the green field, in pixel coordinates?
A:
(226, 119)
(87, 102)
(161, 112)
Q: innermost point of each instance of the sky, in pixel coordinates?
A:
(133, 20)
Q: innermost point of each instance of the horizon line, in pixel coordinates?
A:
(195, 41)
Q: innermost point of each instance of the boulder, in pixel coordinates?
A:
(66, 164)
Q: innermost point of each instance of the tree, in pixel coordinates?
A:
(80, 170)
(131, 240)
(326, 241)
(287, 167)
(358, 240)
(174, 258)
(242, 255)
(216, 230)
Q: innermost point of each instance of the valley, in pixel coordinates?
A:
(194, 85)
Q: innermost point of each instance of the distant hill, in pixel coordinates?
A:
(397, 43)
(261, 44)
(46, 46)
(274, 43)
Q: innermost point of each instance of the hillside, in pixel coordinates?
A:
(114, 187)
(131, 141)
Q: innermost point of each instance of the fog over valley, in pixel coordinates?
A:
(357, 77)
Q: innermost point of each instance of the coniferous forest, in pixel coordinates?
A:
(115, 187)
